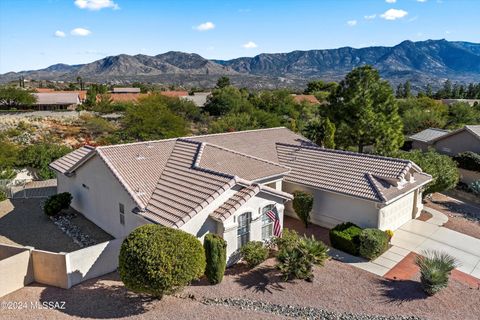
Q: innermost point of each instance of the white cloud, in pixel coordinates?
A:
(352, 23)
(96, 4)
(205, 26)
(393, 14)
(59, 34)
(370, 17)
(421, 0)
(81, 32)
(250, 45)
(390, 1)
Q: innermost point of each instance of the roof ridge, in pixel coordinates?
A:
(243, 154)
(380, 194)
(188, 137)
(366, 155)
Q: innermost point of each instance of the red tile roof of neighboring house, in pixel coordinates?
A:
(310, 98)
(124, 97)
(42, 90)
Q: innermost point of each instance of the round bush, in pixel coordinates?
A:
(468, 160)
(254, 253)
(345, 237)
(216, 257)
(159, 260)
(54, 204)
(373, 242)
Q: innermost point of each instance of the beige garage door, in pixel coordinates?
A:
(397, 213)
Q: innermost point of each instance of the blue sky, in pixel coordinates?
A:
(37, 33)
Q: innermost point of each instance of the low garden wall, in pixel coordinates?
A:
(16, 269)
(468, 176)
(20, 266)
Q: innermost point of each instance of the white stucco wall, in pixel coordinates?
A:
(99, 199)
(254, 206)
(330, 209)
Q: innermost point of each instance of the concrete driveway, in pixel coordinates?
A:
(418, 236)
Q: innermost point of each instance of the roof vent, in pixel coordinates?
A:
(149, 145)
(140, 157)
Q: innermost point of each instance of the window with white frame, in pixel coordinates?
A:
(267, 223)
(243, 230)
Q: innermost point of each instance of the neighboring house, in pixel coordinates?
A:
(174, 94)
(308, 98)
(124, 97)
(82, 94)
(126, 90)
(225, 184)
(198, 98)
(450, 143)
(57, 101)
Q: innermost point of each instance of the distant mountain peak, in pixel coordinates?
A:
(420, 62)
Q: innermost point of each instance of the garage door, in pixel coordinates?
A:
(397, 213)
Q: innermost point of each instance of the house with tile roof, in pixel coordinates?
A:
(226, 183)
(448, 142)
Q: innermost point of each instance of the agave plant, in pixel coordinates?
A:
(435, 268)
(475, 187)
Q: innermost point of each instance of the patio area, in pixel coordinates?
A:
(22, 222)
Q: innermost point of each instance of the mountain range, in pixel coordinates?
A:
(431, 61)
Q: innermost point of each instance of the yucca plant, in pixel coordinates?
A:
(435, 268)
(298, 255)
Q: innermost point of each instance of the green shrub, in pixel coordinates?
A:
(216, 257)
(373, 242)
(468, 160)
(435, 268)
(303, 204)
(56, 203)
(288, 239)
(159, 260)
(297, 256)
(346, 237)
(254, 253)
(3, 195)
(474, 187)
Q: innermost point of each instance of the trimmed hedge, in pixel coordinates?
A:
(373, 242)
(216, 257)
(302, 204)
(56, 203)
(158, 260)
(346, 237)
(468, 160)
(254, 253)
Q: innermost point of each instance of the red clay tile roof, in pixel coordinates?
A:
(310, 98)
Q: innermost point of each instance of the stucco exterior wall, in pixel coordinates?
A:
(16, 269)
(97, 195)
(50, 268)
(330, 209)
(254, 205)
(458, 143)
(91, 262)
(420, 145)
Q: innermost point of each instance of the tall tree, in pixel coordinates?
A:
(11, 97)
(223, 82)
(364, 111)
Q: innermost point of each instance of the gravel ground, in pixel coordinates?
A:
(461, 216)
(339, 291)
(22, 222)
(424, 216)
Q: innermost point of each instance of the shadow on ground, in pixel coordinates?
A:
(103, 298)
(264, 279)
(399, 291)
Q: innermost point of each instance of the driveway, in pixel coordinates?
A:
(418, 236)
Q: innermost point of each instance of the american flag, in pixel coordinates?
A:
(273, 215)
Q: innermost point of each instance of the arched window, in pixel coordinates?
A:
(267, 223)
